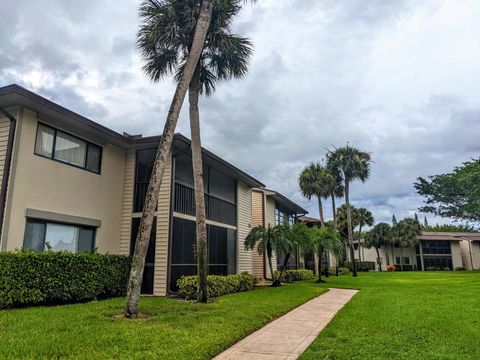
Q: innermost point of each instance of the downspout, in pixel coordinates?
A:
(6, 169)
(264, 220)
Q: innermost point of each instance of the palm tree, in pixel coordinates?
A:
(269, 239)
(321, 240)
(224, 56)
(336, 191)
(378, 237)
(365, 217)
(316, 181)
(342, 223)
(159, 55)
(297, 234)
(405, 234)
(353, 164)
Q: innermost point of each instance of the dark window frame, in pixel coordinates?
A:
(45, 222)
(88, 144)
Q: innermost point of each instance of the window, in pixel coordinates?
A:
(143, 170)
(42, 235)
(397, 260)
(57, 145)
(283, 216)
(406, 260)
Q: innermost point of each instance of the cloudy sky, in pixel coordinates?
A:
(399, 79)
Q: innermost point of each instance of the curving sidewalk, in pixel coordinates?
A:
(287, 337)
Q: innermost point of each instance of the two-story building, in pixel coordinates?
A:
(71, 184)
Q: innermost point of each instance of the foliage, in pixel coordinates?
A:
(217, 285)
(269, 239)
(450, 228)
(454, 195)
(342, 221)
(173, 329)
(341, 271)
(294, 275)
(315, 180)
(166, 35)
(378, 236)
(405, 233)
(29, 278)
(460, 268)
(361, 266)
(391, 267)
(365, 218)
(350, 162)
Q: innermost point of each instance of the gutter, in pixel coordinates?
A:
(6, 169)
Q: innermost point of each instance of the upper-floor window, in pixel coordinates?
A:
(58, 145)
(43, 235)
(282, 216)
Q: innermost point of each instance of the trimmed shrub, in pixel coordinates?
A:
(460, 268)
(432, 268)
(29, 278)
(363, 266)
(295, 275)
(217, 285)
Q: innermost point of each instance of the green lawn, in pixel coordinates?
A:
(175, 330)
(429, 315)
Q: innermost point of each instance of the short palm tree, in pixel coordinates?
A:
(365, 218)
(405, 234)
(352, 164)
(378, 237)
(297, 234)
(268, 240)
(316, 181)
(321, 240)
(223, 57)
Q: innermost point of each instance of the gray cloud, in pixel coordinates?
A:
(398, 79)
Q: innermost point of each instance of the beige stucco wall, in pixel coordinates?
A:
(470, 254)
(244, 223)
(43, 184)
(4, 130)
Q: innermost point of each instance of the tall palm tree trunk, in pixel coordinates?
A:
(379, 262)
(334, 212)
(320, 211)
(359, 251)
(349, 226)
(202, 250)
(386, 254)
(284, 265)
(275, 282)
(151, 198)
(320, 254)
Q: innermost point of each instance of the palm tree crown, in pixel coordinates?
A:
(166, 35)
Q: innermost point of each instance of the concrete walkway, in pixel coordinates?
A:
(289, 336)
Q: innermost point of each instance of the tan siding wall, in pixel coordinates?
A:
(47, 185)
(270, 220)
(244, 221)
(163, 224)
(4, 129)
(257, 220)
(456, 254)
(128, 183)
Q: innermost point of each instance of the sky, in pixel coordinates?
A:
(398, 79)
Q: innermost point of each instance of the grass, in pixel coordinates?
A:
(175, 330)
(418, 315)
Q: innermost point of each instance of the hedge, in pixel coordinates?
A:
(217, 285)
(363, 266)
(341, 271)
(29, 278)
(295, 275)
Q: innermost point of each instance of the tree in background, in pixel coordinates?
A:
(378, 237)
(450, 228)
(321, 240)
(365, 218)
(353, 164)
(269, 239)
(316, 181)
(405, 234)
(425, 222)
(394, 220)
(454, 195)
